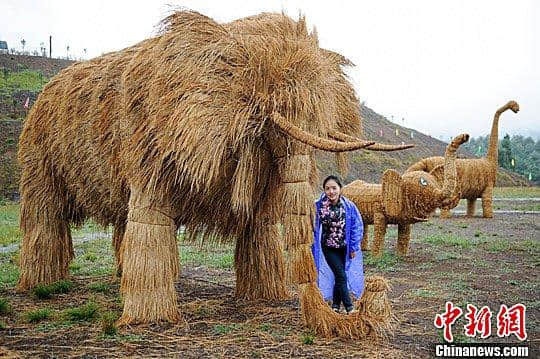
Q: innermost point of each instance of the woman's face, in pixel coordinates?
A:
(332, 190)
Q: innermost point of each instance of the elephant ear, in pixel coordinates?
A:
(438, 173)
(392, 187)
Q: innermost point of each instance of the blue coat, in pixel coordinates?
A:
(354, 268)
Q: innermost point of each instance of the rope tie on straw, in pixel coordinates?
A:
(142, 214)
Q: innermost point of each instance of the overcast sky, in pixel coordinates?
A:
(443, 66)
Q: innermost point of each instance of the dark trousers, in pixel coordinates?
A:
(335, 257)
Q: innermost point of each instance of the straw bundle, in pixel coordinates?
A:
(149, 246)
(374, 314)
(476, 177)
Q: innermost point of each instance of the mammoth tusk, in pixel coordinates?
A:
(374, 147)
(316, 141)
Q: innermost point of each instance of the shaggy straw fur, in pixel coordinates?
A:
(403, 200)
(476, 177)
(205, 125)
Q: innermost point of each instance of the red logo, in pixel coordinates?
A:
(447, 319)
(509, 321)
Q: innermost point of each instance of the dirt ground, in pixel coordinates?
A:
(463, 260)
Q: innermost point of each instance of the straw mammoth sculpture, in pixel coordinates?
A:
(476, 177)
(404, 200)
(211, 126)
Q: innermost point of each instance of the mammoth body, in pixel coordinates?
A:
(212, 126)
(477, 176)
(404, 200)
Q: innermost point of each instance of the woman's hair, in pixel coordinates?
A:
(334, 178)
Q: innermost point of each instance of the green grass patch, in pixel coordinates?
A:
(100, 287)
(102, 258)
(221, 257)
(47, 291)
(308, 338)
(497, 246)
(386, 262)
(425, 293)
(444, 256)
(108, 326)
(5, 308)
(9, 224)
(2, 325)
(83, 313)
(448, 240)
(35, 316)
(27, 80)
(222, 329)
(9, 270)
(516, 192)
(529, 246)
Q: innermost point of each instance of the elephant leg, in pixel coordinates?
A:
(47, 248)
(150, 262)
(118, 235)
(260, 272)
(471, 204)
(487, 202)
(379, 223)
(365, 238)
(404, 236)
(445, 213)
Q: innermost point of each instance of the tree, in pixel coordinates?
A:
(505, 153)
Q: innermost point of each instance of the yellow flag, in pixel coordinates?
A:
(397, 132)
(513, 163)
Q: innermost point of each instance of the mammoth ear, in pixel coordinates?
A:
(392, 185)
(438, 173)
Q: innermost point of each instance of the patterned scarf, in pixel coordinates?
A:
(333, 223)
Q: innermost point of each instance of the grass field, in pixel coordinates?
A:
(463, 260)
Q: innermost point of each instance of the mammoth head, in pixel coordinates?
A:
(415, 195)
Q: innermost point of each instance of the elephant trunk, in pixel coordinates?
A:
(450, 173)
(493, 149)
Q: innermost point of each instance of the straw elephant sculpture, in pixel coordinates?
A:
(404, 200)
(206, 125)
(476, 176)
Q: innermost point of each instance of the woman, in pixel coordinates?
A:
(338, 232)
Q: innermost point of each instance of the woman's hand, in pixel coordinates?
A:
(353, 254)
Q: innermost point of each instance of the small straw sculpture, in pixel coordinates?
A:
(207, 126)
(476, 176)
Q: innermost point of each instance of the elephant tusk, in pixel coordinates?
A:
(340, 136)
(316, 141)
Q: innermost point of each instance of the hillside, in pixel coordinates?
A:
(363, 164)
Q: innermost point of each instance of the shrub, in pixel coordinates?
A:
(38, 315)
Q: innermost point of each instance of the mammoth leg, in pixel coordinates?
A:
(404, 236)
(471, 204)
(150, 262)
(47, 248)
(258, 259)
(365, 238)
(379, 221)
(487, 202)
(118, 235)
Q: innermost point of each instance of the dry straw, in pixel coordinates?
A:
(477, 176)
(209, 126)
